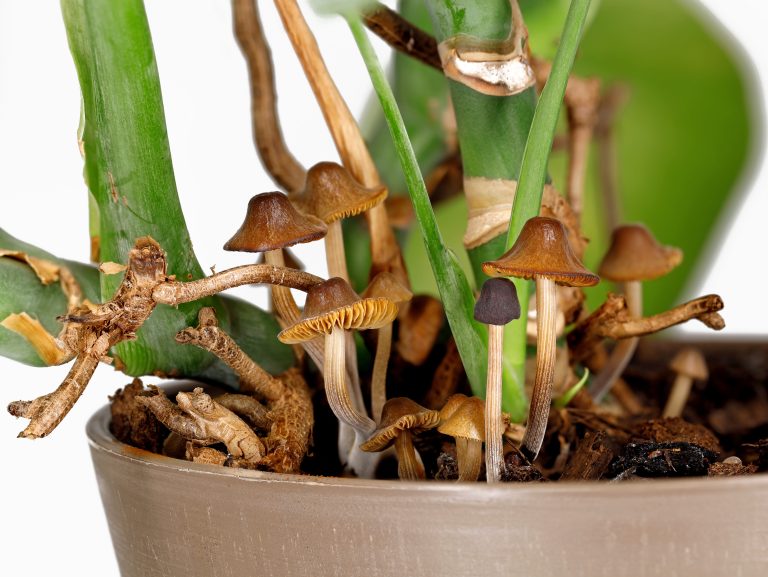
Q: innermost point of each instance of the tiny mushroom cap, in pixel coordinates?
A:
(690, 362)
(387, 285)
(635, 254)
(334, 303)
(498, 303)
(331, 193)
(465, 418)
(542, 250)
(273, 223)
(399, 414)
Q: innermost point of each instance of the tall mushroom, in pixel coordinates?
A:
(634, 256)
(689, 365)
(462, 418)
(542, 253)
(385, 285)
(496, 306)
(332, 308)
(272, 224)
(401, 418)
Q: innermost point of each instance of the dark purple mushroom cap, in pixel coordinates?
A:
(498, 303)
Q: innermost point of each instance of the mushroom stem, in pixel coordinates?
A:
(625, 348)
(335, 388)
(678, 396)
(578, 146)
(409, 465)
(379, 375)
(282, 299)
(469, 453)
(546, 347)
(334, 251)
(494, 423)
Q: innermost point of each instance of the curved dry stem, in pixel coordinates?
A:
(401, 35)
(379, 375)
(546, 347)
(494, 422)
(175, 293)
(173, 417)
(354, 154)
(469, 454)
(268, 137)
(624, 350)
(246, 407)
(210, 337)
(409, 465)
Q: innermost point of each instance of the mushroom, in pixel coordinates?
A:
(272, 224)
(633, 256)
(462, 418)
(690, 365)
(332, 308)
(496, 306)
(384, 285)
(331, 194)
(542, 253)
(401, 418)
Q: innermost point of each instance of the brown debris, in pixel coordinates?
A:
(447, 378)
(204, 455)
(731, 467)
(676, 430)
(247, 408)
(591, 459)
(170, 415)
(738, 418)
(132, 422)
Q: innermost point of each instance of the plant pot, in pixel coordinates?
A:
(173, 518)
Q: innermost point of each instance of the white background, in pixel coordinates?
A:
(52, 522)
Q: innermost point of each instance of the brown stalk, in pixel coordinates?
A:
(268, 137)
(612, 320)
(248, 408)
(610, 103)
(446, 379)
(403, 36)
(385, 252)
(175, 293)
(170, 415)
(210, 337)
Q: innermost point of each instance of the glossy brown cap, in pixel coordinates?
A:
(690, 362)
(399, 414)
(333, 303)
(463, 418)
(542, 250)
(332, 194)
(498, 303)
(272, 223)
(386, 285)
(635, 255)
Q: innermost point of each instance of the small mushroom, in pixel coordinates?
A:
(542, 253)
(496, 306)
(401, 418)
(633, 256)
(272, 224)
(332, 308)
(689, 365)
(462, 418)
(384, 285)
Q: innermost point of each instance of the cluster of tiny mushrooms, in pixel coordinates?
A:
(548, 250)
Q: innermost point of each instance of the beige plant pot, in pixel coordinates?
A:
(173, 518)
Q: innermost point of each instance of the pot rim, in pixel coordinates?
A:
(101, 439)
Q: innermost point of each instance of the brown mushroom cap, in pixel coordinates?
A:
(635, 255)
(690, 362)
(272, 223)
(465, 419)
(333, 303)
(332, 194)
(386, 285)
(542, 250)
(400, 413)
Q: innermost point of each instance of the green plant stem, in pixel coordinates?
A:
(455, 291)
